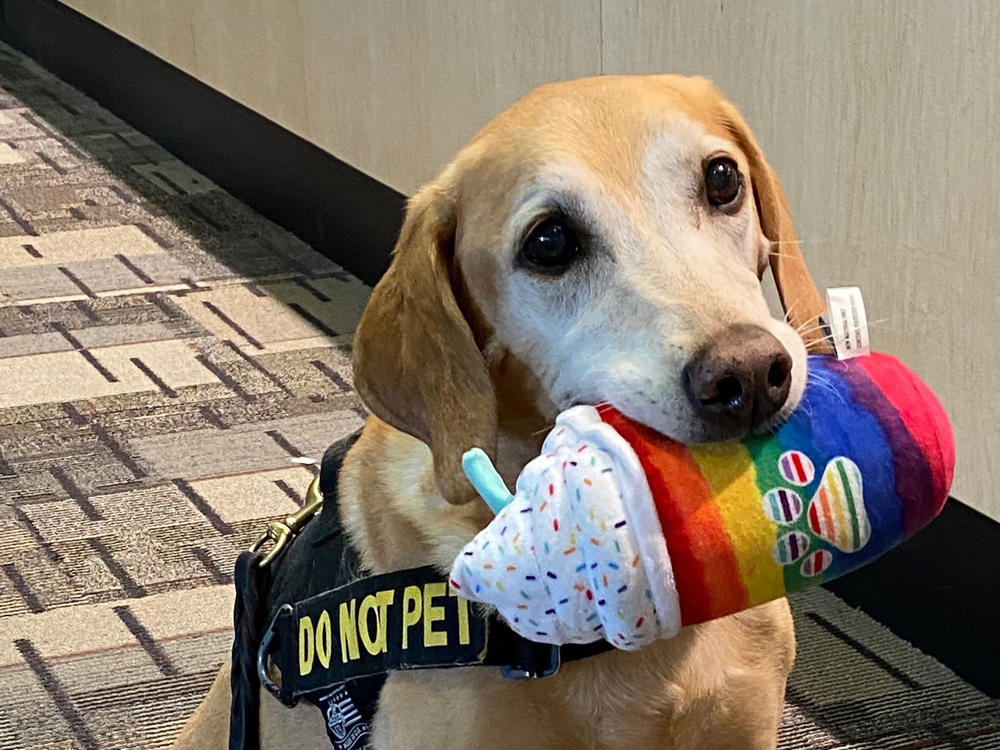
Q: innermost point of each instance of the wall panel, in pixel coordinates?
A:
(394, 88)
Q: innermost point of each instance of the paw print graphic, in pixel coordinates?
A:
(835, 513)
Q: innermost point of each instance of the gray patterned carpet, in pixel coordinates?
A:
(164, 355)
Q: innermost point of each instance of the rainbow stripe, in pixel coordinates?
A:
(864, 462)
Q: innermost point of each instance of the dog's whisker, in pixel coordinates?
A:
(808, 324)
(820, 382)
(809, 320)
(816, 377)
(816, 347)
(804, 334)
(811, 329)
(790, 310)
(830, 391)
(812, 346)
(810, 241)
(804, 330)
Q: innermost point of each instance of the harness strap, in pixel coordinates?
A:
(374, 625)
(407, 619)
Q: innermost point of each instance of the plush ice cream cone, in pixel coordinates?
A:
(620, 533)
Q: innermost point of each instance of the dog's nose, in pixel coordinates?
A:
(740, 380)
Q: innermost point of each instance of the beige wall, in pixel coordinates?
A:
(883, 119)
(392, 86)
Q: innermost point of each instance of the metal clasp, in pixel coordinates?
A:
(545, 666)
(263, 654)
(284, 531)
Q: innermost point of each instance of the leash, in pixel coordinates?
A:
(310, 625)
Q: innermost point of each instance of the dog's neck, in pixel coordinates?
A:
(523, 416)
(390, 500)
(392, 508)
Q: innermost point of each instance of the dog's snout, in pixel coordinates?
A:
(740, 380)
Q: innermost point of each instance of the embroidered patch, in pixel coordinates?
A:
(837, 512)
(782, 505)
(796, 468)
(816, 563)
(790, 547)
(344, 725)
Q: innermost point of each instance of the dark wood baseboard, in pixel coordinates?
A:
(940, 590)
(348, 216)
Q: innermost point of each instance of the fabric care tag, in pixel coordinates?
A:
(848, 322)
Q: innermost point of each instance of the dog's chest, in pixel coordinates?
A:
(617, 701)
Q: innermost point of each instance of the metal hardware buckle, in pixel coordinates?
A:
(284, 531)
(263, 673)
(544, 670)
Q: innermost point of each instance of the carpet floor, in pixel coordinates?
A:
(165, 355)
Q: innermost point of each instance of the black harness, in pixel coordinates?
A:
(334, 633)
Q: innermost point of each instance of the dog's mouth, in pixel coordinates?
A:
(722, 394)
(691, 429)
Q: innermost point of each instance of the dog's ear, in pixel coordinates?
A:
(803, 303)
(416, 362)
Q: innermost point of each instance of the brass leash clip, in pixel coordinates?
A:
(284, 531)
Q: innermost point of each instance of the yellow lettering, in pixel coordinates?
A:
(367, 605)
(382, 600)
(385, 599)
(463, 618)
(349, 632)
(433, 614)
(411, 611)
(306, 650)
(324, 639)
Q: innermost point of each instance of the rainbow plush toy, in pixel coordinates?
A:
(620, 533)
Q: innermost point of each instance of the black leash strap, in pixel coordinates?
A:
(244, 717)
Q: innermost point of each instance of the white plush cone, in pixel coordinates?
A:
(578, 555)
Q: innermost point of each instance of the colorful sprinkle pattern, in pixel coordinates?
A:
(561, 562)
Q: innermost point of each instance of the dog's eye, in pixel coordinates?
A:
(723, 183)
(550, 246)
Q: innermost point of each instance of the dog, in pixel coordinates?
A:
(601, 241)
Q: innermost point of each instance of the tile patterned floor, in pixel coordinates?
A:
(164, 354)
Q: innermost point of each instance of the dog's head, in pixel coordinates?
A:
(600, 241)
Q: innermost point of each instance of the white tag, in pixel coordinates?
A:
(848, 322)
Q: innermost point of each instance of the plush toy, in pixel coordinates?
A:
(620, 533)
